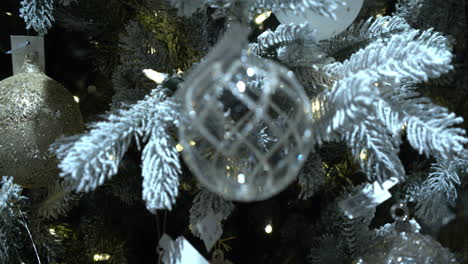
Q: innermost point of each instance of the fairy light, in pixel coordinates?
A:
(9, 13)
(250, 72)
(192, 143)
(241, 86)
(152, 50)
(179, 147)
(241, 178)
(268, 229)
(262, 17)
(101, 257)
(76, 98)
(404, 126)
(52, 231)
(363, 154)
(155, 76)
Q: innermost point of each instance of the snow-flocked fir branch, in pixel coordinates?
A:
(341, 237)
(86, 161)
(294, 45)
(37, 14)
(361, 34)
(58, 201)
(446, 16)
(10, 196)
(412, 55)
(374, 150)
(206, 202)
(127, 78)
(324, 8)
(438, 193)
(359, 96)
(311, 177)
(10, 201)
(160, 167)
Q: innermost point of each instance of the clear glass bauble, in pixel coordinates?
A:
(325, 27)
(404, 246)
(247, 130)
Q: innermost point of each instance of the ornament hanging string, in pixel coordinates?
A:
(21, 46)
(159, 234)
(30, 236)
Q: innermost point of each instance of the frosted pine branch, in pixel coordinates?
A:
(324, 8)
(361, 34)
(58, 201)
(412, 55)
(349, 102)
(37, 14)
(10, 196)
(160, 168)
(311, 177)
(292, 44)
(206, 202)
(439, 190)
(376, 152)
(88, 160)
(445, 16)
(430, 128)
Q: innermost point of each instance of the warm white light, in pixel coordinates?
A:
(241, 178)
(250, 72)
(404, 126)
(101, 257)
(363, 154)
(155, 76)
(152, 50)
(316, 106)
(192, 143)
(77, 99)
(52, 231)
(262, 17)
(241, 86)
(8, 13)
(179, 148)
(268, 229)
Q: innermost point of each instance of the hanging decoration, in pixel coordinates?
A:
(34, 111)
(247, 128)
(326, 27)
(403, 245)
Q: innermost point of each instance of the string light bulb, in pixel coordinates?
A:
(268, 229)
(179, 147)
(101, 257)
(262, 17)
(155, 76)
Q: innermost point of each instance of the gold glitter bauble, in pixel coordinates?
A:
(34, 111)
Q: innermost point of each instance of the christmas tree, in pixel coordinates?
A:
(218, 131)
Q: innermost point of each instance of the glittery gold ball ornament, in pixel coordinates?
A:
(404, 246)
(247, 128)
(34, 111)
